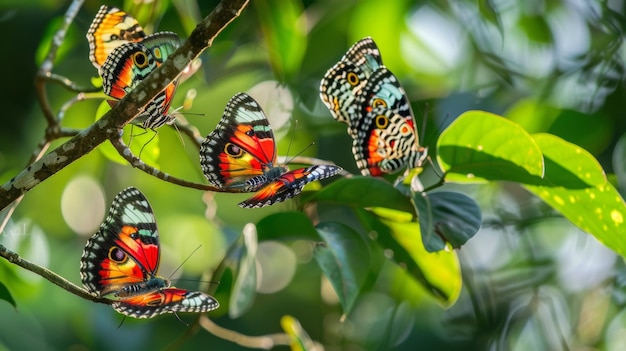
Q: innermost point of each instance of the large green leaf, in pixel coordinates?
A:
(480, 146)
(446, 217)
(362, 191)
(576, 186)
(344, 260)
(281, 225)
(284, 27)
(5, 295)
(438, 272)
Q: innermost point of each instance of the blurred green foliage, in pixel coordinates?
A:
(529, 279)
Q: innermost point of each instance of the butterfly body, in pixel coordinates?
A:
(120, 262)
(362, 93)
(240, 156)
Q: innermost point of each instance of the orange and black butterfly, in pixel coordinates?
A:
(121, 260)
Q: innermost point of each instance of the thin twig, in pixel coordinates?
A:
(67, 285)
(136, 162)
(69, 84)
(45, 71)
(265, 342)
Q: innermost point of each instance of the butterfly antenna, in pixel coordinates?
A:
(424, 121)
(180, 320)
(122, 322)
(301, 152)
(148, 142)
(185, 260)
(293, 134)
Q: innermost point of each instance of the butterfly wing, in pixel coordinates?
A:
(343, 81)
(168, 300)
(111, 28)
(289, 184)
(125, 250)
(386, 138)
(130, 63)
(236, 155)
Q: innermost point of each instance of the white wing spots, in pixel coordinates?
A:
(69, 146)
(617, 217)
(598, 212)
(558, 200)
(142, 95)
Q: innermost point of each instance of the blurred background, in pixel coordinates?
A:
(531, 280)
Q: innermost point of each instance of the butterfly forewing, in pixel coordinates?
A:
(110, 28)
(125, 250)
(241, 148)
(343, 81)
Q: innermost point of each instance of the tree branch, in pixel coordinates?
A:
(109, 125)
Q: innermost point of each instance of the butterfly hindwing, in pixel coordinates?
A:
(289, 184)
(386, 139)
(239, 155)
(121, 262)
(168, 300)
(110, 28)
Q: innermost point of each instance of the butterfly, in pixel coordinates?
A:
(121, 261)
(110, 28)
(130, 63)
(124, 55)
(239, 156)
(364, 94)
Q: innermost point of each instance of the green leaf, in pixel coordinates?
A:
(489, 12)
(144, 142)
(283, 225)
(5, 295)
(536, 28)
(244, 289)
(446, 217)
(362, 191)
(586, 198)
(284, 28)
(480, 146)
(344, 261)
(438, 272)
